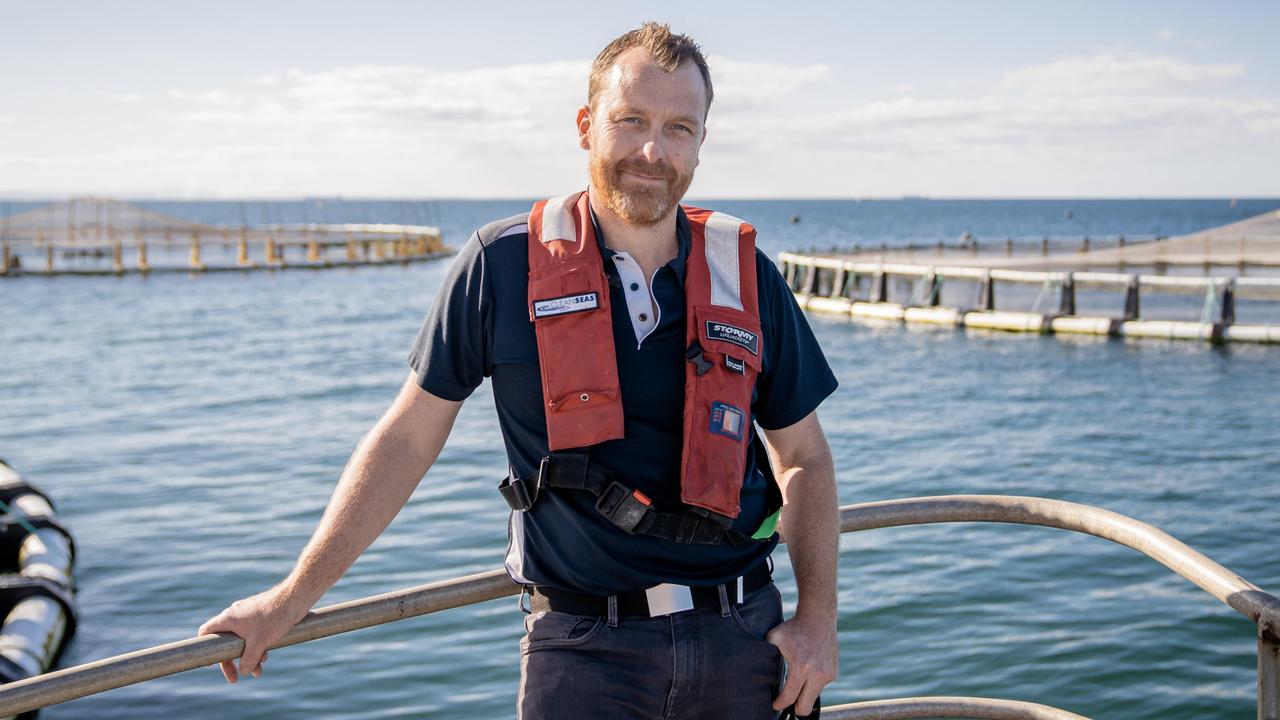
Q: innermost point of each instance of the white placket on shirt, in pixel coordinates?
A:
(641, 307)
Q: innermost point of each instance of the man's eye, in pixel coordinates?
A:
(683, 128)
(631, 120)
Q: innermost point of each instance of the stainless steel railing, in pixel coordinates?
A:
(1248, 599)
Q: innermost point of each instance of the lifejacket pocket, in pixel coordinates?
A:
(569, 308)
(730, 332)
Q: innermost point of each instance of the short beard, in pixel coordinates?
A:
(641, 206)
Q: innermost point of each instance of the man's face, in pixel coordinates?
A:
(643, 136)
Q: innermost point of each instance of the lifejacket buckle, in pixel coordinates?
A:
(624, 507)
(522, 492)
(695, 355)
(516, 492)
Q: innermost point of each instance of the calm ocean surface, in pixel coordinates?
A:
(191, 429)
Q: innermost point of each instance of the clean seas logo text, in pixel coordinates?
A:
(565, 305)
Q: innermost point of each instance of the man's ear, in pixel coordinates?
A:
(584, 127)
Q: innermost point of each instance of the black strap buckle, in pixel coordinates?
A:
(625, 508)
(695, 355)
(517, 494)
(522, 493)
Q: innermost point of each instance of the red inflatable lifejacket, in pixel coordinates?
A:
(569, 307)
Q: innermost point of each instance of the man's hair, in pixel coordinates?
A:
(667, 50)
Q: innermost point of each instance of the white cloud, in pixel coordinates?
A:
(776, 129)
(1166, 34)
(206, 97)
(1105, 101)
(746, 85)
(411, 99)
(1116, 74)
(131, 97)
(1083, 125)
(6, 119)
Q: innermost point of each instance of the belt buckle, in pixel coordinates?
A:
(667, 598)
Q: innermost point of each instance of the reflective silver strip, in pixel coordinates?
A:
(722, 258)
(513, 563)
(557, 218)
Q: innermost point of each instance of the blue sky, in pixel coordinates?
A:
(858, 99)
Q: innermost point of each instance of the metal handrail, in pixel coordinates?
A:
(1247, 598)
(946, 707)
(1250, 600)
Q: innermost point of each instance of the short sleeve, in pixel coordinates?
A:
(796, 377)
(450, 354)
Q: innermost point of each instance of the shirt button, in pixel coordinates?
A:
(635, 286)
(619, 258)
(643, 317)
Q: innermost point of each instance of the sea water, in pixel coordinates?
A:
(191, 429)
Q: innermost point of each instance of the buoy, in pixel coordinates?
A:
(795, 219)
(37, 592)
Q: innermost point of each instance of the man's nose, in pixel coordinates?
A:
(653, 150)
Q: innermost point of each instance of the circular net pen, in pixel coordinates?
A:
(109, 237)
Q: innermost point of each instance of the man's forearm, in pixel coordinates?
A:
(377, 481)
(811, 526)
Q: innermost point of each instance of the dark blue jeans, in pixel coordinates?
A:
(693, 665)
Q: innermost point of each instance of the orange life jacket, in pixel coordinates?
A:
(569, 307)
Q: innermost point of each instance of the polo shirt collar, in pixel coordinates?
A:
(684, 239)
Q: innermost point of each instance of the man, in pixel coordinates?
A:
(625, 337)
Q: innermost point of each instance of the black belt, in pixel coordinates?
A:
(626, 508)
(636, 603)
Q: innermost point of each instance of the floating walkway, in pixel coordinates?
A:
(108, 237)
(958, 286)
(1261, 609)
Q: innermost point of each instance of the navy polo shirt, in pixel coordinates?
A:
(479, 327)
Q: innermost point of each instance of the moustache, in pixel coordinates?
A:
(659, 170)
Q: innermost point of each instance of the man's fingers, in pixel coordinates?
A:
(252, 658)
(257, 672)
(790, 691)
(229, 671)
(215, 624)
(804, 703)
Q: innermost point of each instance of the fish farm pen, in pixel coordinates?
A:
(107, 237)
(1218, 285)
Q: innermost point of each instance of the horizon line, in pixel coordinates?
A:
(60, 197)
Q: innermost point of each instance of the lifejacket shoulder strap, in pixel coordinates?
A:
(723, 341)
(724, 252)
(569, 308)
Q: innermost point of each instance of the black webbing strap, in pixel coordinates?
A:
(625, 507)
